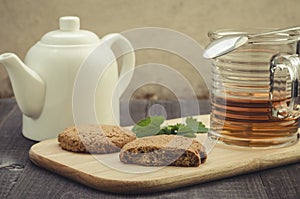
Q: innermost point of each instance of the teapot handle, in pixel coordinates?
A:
(126, 50)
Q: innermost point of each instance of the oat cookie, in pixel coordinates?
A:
(163, 150)
(95, 139)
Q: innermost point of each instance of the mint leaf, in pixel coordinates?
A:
(148, 126)
(197, 127)
(171, 129)
(144, 122)
(192, 123)
(202, 130)
(186, 131)
(152, 126)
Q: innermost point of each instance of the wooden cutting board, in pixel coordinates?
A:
(107, 173)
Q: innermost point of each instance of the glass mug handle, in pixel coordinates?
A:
(284, 105)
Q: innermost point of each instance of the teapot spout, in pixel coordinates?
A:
(28, 86)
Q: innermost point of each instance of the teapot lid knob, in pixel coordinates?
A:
(69, 23)
(69, 33)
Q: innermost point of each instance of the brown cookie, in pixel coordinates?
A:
(95, 139)
(163, 150)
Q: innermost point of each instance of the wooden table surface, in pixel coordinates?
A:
(20, 178)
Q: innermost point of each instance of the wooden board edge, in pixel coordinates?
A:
(135, 187)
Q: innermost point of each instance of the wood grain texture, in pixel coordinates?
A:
(280, 184)
(13, 154)
(222, 162)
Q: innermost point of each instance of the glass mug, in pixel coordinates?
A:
(254, 93)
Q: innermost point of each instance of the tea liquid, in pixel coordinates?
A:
(245, 122)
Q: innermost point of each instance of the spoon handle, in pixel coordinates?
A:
(293, 28)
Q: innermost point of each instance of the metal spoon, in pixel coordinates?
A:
(229, 43)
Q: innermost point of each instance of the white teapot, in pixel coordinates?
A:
(43, 84)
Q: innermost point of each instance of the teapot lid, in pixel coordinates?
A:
(69, 33)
